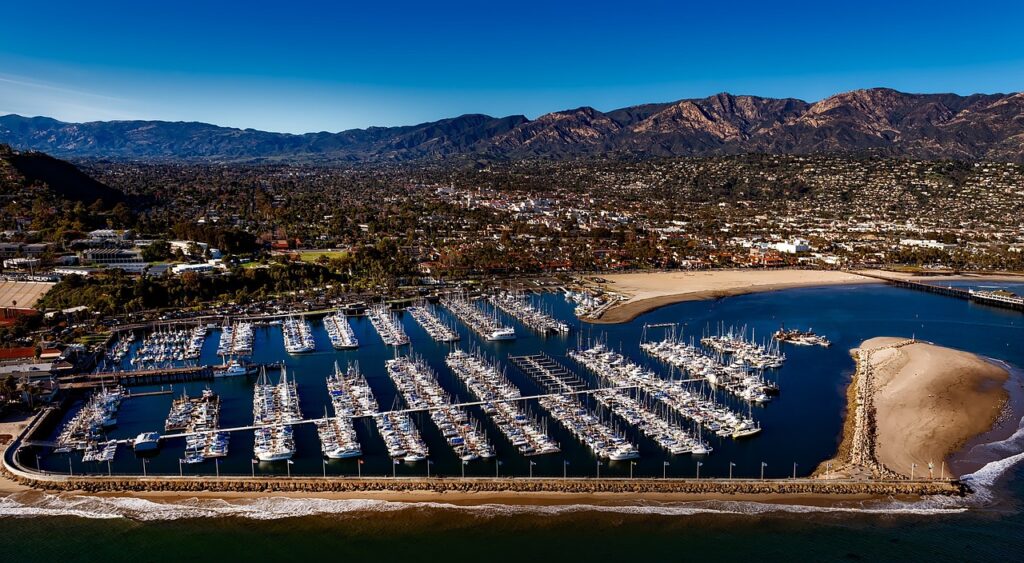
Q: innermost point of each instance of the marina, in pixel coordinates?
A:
(351, 397)
(340, 332)
(498, 395)
(298, 336)
(402, 438)
(710, 414)
(387, 325)
(676, 395)
(235, 340)
(86, 428)
(563, 404)
(199, 419)
(418, 386)
(735, 376)
(435, 327)
(519, 306)
(487, 326)
(274, 409)
(735, 343)
(163, 347)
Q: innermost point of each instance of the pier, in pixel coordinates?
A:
(948, 291)
(137, 377)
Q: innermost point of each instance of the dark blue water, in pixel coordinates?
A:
(802, 425)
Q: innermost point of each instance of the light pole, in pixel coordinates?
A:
(37, 462)
(181, 472)
(216, 466)
(464, 462)
(109, 472)
(794, 469)
(497, 465)
(598, 469)
(828, 469)
(632, 464)
(253, 466)
(565, 469)
(288, 466)
(763, 465)
(942, 470)
(913, 466)
(731, 465)
(144, 460)
(664, 469)
(71, 470)
(931, 470)
(698, 469)
(324, 463)
(359, 468)
(394, 469)
(429, 463)
(532, 463)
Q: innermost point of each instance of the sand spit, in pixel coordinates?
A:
(912, 404)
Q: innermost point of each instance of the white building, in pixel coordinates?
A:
(920, 243)
(794, 246)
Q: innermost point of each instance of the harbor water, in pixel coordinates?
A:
(800, 428)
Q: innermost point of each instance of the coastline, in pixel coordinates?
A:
(648, 291)
(913, 406)
(511, 493)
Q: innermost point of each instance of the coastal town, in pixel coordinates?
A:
(586, 281)
(193, 285)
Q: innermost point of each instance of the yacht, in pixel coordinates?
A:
(231, 370)
(504, 333)
(146, 442)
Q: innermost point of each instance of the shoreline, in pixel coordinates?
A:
(509, 492)
(646, 292)
(912, 406)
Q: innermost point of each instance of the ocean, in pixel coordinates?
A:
(801, 426)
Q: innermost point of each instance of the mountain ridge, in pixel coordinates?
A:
(878, 121)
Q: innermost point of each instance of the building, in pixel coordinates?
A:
(21, 263)
(112, 256)
(919, 243)
(18, 249)
(795, 246)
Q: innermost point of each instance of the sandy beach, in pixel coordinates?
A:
(650, 290)
(768, 492)
(915, 403)
(646, 291)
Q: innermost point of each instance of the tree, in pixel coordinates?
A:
(157, 251)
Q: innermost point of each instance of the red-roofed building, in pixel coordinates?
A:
(25, 353)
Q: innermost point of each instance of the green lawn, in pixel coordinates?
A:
(313, 255)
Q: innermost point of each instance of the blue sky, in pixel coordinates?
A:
(298, 66)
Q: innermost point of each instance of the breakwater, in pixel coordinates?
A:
(837, 488)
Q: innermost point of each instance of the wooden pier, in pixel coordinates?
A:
(138, 377)
(948, 291)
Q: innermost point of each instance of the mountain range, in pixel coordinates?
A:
(876, 121)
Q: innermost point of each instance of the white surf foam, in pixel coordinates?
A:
(283, 507)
